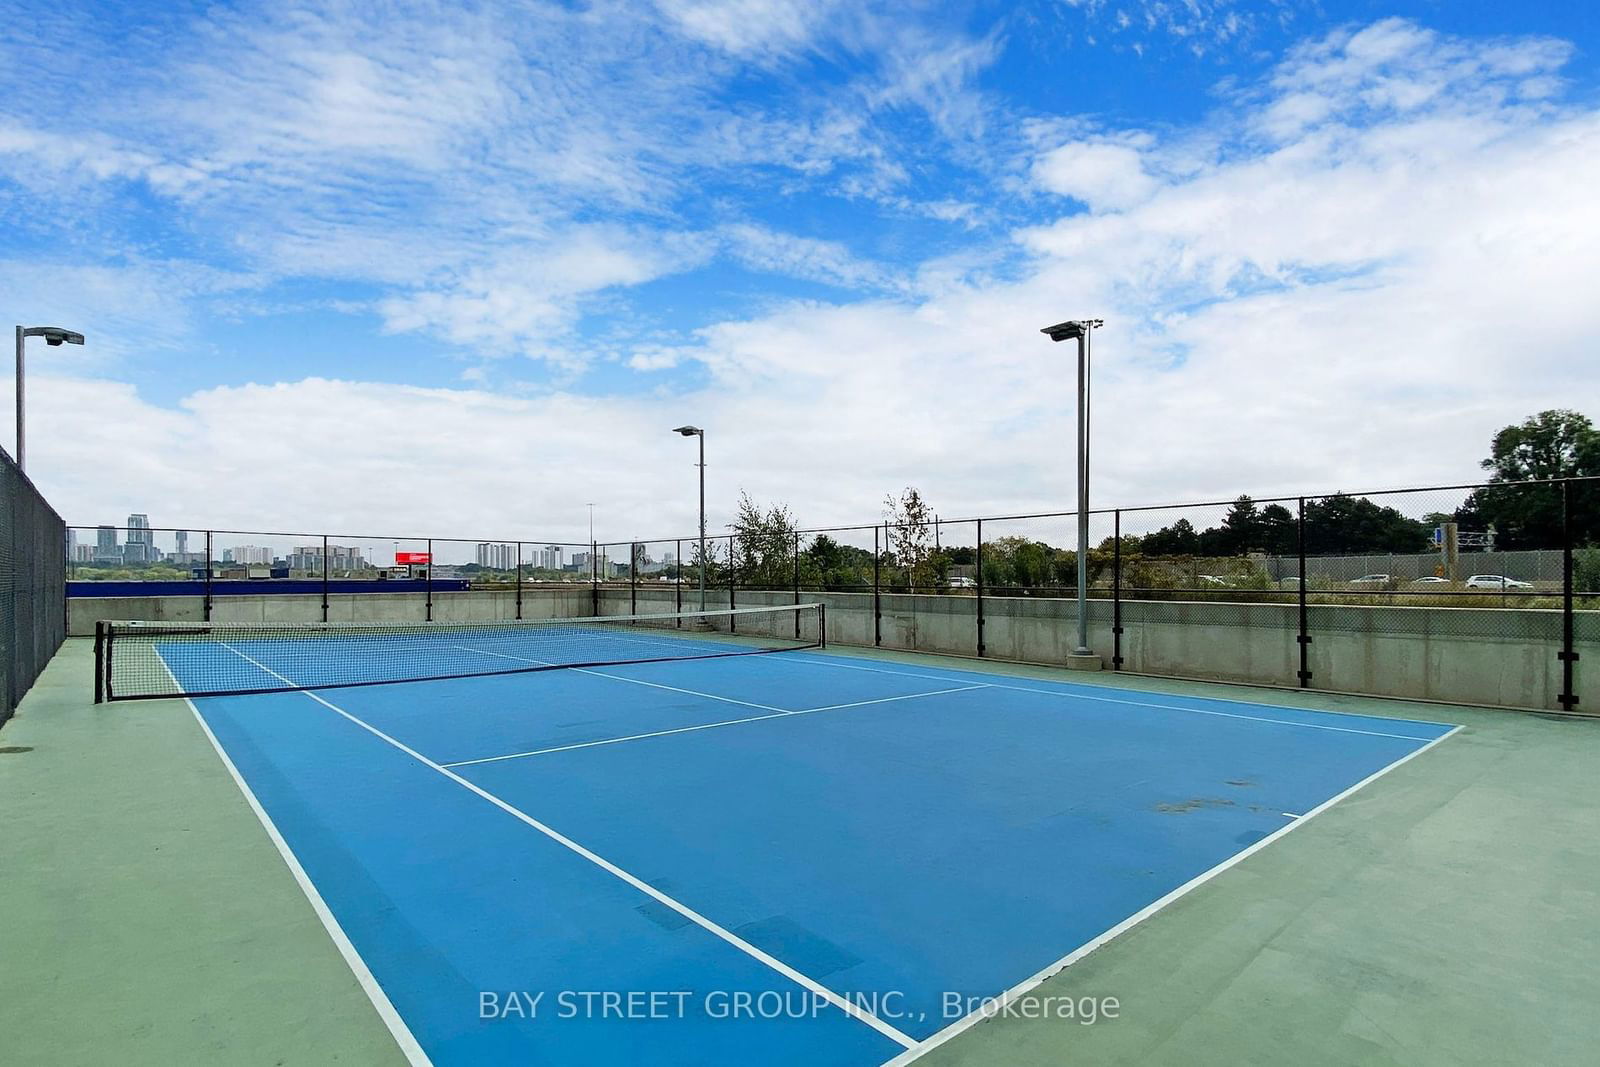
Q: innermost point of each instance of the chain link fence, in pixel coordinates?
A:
(1483, 593)
(33, 610)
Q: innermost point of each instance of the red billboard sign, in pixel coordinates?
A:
(410, 557)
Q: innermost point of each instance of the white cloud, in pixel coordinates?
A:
(1351, 276)
(1104, 175)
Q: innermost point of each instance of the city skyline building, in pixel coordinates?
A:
(497, 556)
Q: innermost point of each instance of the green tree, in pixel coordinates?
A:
(1343, 525)
(831, 565)
(1179, 539)
(764, 544)
(1551, 444)
(909, 524)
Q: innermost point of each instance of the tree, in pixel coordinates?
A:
(1343, 525)
(831, 565)
(1179, 539)
(1551, 444)
(1240, 531)
(909, 521)
(764, 544)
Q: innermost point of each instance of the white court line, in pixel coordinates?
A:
(701, 726)
(1078, 694)
(621, 678)
(1023, 987)
(843, 1004)
(409, 1046)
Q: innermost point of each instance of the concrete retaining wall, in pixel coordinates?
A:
(1459, 655)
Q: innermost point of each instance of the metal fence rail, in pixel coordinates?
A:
(33, 611)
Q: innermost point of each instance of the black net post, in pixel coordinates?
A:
(519, 580)
(633, 578)
(797, 582)
(324, 577)
(205, 611)
(978, 580)
(1568, 654)
(99, 661)
(427, 578)
(733, 580)
(677, 582)
(594, 577)
(1304, 636)
(877, 603)
(1116, 590)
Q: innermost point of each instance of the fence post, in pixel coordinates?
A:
(733, 580)
(877, 606)
(519, 580)
(1116, 591)
(594, 579)
(1568, 654)
(1304, 636)
(677, 585)
(427, 578)
(633, 577)
(797, 583)
(980, 586)
(324, 577)
(206, 611)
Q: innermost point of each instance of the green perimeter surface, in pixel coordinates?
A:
(1447, 913)
(147, 917)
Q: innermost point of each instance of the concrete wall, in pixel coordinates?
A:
(1460, 655)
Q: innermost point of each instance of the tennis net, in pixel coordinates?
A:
(149, 660)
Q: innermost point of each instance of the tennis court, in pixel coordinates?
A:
(682, 848)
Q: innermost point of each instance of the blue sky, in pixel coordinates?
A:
(475, 257)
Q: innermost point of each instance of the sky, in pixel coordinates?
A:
(457, 269)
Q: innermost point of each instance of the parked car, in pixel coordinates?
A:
(1430, 579)
(1373, 579)
(961, 581)
(1496, 581)
(1289, 582)
(1212, 579)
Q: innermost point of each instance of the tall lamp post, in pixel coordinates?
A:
(695, 431)
(53, 336)
(1082, 658)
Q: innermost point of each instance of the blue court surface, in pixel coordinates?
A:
(791, 858)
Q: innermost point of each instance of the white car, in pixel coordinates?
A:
(1496, 581)
(1212, 579)
(1431, 579)
(1373, 579)
(961, 581)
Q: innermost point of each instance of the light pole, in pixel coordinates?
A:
(1080, 330)
(695, 431)
(594, 561)
(53, 336)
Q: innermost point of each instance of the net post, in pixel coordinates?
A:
(324, 577)
(1116, 591)
(797, 582)
(979, 570)
(877, 603)
(677, 584)
(427, 579)
(519, 581)
(205, 612)
(99, 660)
(822, 625)
(1304, 636)
(1568, 654)
(594, 579)
(733, 580)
